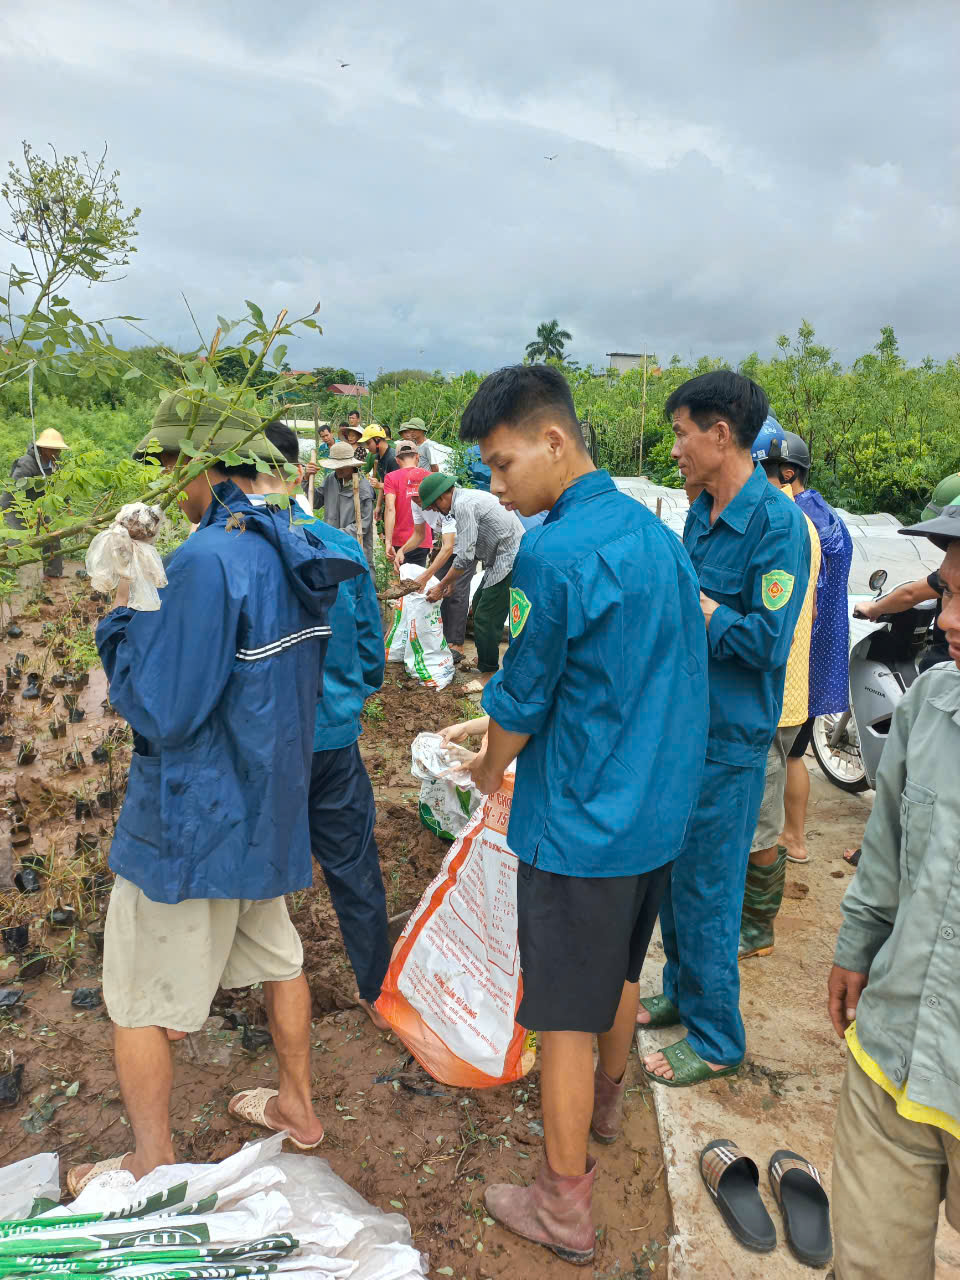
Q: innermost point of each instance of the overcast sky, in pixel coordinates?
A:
(722, 169)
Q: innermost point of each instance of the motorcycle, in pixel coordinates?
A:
(883, 666)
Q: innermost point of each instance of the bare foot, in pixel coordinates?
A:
(378, 1020)
(795, 852)
(657, 1065)
(305, 1127)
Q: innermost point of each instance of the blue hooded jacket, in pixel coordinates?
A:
(220, 686)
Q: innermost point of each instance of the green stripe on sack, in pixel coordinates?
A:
(418, 659)
(398, 614)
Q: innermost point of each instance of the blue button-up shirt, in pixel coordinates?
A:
(754, 560)
(607, 671)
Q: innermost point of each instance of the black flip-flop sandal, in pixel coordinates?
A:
(854, 857)
(796, 1186)
(733, 1180)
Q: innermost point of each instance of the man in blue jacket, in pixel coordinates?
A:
(342, 811)
(603, 701)
(220, 686)
(750, 548)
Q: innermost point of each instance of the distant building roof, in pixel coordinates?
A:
(346, 389)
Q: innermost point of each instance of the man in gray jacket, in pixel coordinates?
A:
(29, 474)
(336, 496)
(893, 989)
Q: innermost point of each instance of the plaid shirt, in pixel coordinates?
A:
(485, 532)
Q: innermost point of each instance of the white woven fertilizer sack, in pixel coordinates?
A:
(395, 640)
(446, 802)
(426, 655)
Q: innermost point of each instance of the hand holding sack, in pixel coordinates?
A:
(447, 799)
(453, 986)
(125, 550)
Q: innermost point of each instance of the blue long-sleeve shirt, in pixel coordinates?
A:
(754, 561)
(607, 671)
(355, 655)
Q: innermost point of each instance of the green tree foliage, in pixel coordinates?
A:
(394, 377)
(549, 342)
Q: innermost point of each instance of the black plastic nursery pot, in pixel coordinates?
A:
(27, 881)
(11, 1082)
(14, 631)
(15, 938)
(96, 937)
(6, 741)
(26, 753)
(62, 917)
(33, 966)
(87, 998)
(35, 860)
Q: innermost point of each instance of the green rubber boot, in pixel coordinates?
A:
(761, 902)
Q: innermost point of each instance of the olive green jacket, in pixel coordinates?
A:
(902, 909)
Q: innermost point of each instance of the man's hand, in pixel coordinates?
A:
(485, 779)
(870, 609)
(391, 553)
(708, 606)
(844, 988)
(455, 733)
(438, 592)
(398, 558)
(310, 469)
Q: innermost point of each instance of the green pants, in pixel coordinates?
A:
(490, 608)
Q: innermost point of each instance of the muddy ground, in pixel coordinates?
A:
(401, 1140)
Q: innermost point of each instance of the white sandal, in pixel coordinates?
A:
(104, 1166)
(250, 1105)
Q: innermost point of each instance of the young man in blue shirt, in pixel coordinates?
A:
(342, 811)
(607, 657)
(750, 548)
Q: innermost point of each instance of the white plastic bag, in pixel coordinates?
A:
(125, 550)
(395, 640)
(454, 985)
(426, 655)
(447, 801)
(36, 1178)
(257, 1198)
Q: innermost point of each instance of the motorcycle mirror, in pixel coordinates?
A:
(877, 579)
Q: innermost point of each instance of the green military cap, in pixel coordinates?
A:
(169, 428)
(414, 424)
(432, 486)
(946, 492)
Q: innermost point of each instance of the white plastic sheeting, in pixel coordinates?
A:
(876, 543)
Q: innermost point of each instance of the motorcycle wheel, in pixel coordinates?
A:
(842, 765)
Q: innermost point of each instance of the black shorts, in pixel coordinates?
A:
(802, 741)
(580, 941)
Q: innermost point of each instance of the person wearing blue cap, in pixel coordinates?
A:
(750, 549)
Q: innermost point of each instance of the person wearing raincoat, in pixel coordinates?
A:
(829, 641)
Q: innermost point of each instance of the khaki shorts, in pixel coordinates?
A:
(770, 821)
(162, 963)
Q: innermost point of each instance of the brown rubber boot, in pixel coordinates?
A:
(607, 1106)
(553, 1211)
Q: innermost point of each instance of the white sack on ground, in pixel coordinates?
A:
(426, 656)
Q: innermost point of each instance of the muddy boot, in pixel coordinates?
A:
(761, 902)
(607, 1106)
(553, 1211)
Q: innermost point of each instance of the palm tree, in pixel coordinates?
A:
(550, 342)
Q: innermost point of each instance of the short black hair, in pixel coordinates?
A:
(354, 413)
(722, 394)
(343, 425)
(284, 440)
(514, 395)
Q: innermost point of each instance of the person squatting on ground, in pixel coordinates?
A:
(220, 687)
(607, 657)
(829, 638)
(485, 534)
(400, 490)
(750, 549)
(336, 496)
(767, 864)
(342, 813)
(893, 990)
(29, 474)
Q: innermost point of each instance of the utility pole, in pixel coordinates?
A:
(643, 408)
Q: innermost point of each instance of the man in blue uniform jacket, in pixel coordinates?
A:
(220, 687)
(751, 551)
(603, 701)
